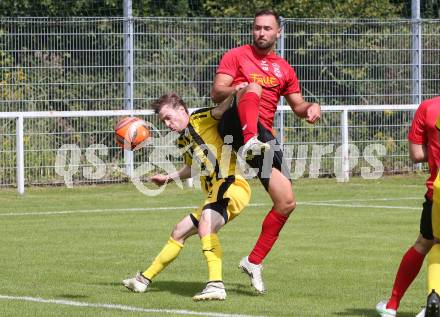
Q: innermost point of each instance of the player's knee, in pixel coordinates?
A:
(423, 245)
(177, 237)
(255, 88)
(204, 230)
(286, 207)
(178, 233)
(290, 206)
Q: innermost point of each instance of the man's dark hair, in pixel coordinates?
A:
(268, 12)
(171, 99)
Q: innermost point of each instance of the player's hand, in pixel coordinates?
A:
(159, 179)
(313, 113)
(240, 86)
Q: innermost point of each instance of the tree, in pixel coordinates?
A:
(61, 8)
(219, 8)
(429, 9)
(306, 8)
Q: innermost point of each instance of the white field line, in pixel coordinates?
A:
(116, 210)
(366, 199)
(360, 206)
(119, 307)
(86, 211)
(329, 203)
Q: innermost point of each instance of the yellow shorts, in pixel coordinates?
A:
(435, 215)
(227, 197)
(435, 218)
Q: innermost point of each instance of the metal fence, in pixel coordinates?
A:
(346, 141)
(91, 64)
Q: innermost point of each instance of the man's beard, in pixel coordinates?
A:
(264, 45)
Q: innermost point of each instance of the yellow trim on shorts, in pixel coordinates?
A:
(435, 214)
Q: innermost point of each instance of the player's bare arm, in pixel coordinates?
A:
(311, 111)
(222, 89)
(161, 179)
(218, 111)
(418, 153)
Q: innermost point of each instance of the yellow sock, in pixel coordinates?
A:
(434, 269)
(169, 252)
(213, 253)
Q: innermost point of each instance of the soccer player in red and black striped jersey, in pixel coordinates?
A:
(423, 147)
(258, 78)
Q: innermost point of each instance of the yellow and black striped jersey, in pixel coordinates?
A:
(206, 150)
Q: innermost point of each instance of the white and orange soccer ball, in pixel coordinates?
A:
(131, 133)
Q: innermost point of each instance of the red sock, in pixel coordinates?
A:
(248, 114)
(272, 225)
(409, 268)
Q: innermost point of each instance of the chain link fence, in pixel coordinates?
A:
(77, 64)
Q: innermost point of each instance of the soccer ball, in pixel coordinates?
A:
(131, 133)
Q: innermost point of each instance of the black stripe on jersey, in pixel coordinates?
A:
(222, 203)
(212, 159)
(183, 143)
(200, 111)
(224, 187)
(208, 182)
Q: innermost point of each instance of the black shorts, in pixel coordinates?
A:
(230, 125)
(426, 221)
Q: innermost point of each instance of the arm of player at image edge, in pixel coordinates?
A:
(418, 153)
(311, 111)
(161, 179)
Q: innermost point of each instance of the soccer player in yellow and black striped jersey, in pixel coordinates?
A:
(227, 193)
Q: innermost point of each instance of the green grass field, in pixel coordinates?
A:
(337, 255)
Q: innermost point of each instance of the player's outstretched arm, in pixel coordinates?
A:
(161, 179)
(311, 111)
(218, 111)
